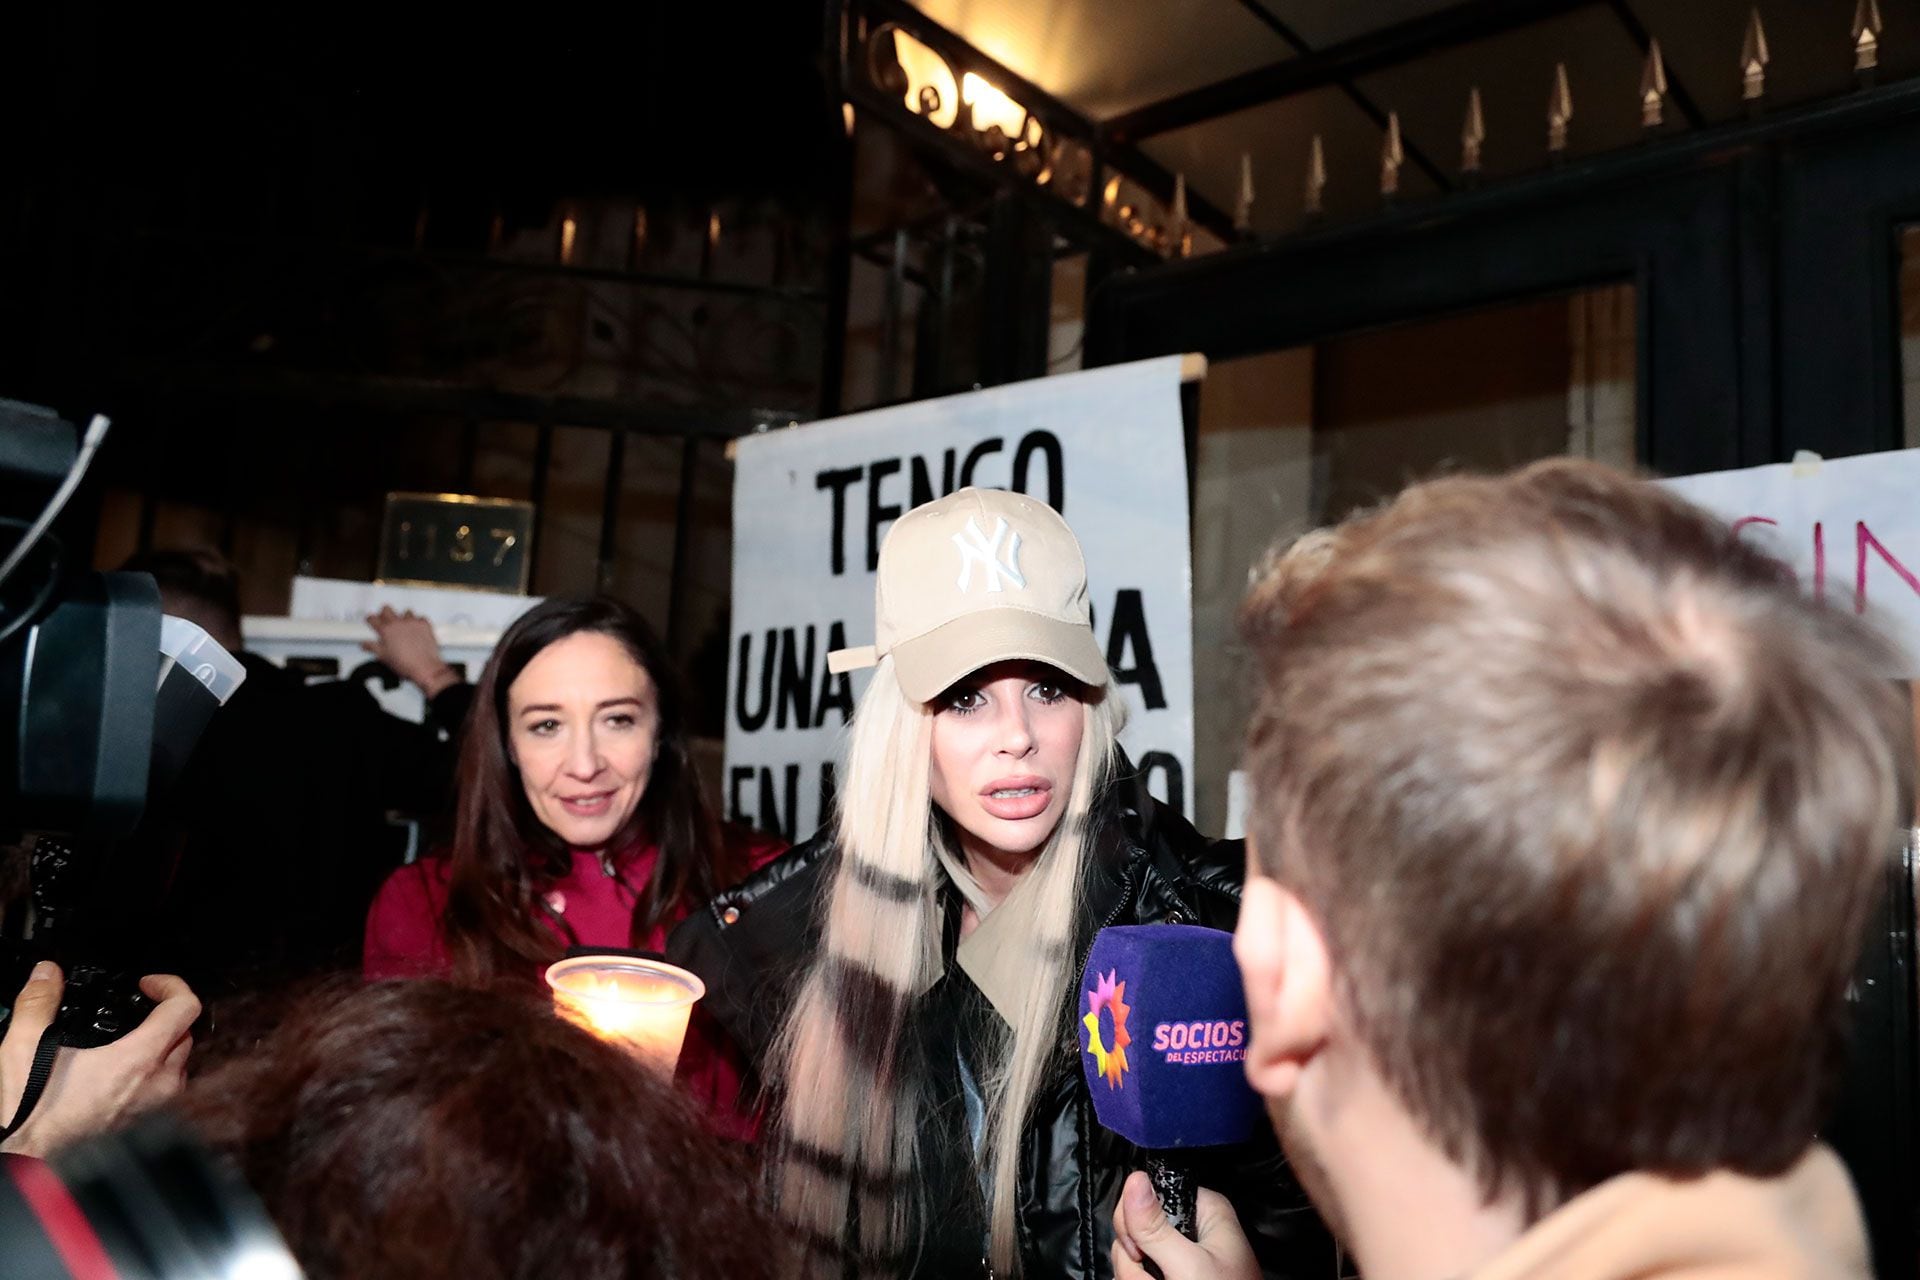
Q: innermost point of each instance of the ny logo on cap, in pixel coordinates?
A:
(976, 546)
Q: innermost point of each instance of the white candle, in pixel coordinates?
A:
(642, 1005)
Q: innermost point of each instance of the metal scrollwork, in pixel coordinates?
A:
(883, 62)
(896, 59)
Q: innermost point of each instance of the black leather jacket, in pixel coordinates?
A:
(751, 947)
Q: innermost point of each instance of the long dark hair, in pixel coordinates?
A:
(505, 859)
(410, 1130)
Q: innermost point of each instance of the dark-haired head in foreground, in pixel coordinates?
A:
(415, 1130)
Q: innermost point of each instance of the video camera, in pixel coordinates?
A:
(102, 699)
(146, 1202)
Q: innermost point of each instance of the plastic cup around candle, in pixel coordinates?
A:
(642, 1005)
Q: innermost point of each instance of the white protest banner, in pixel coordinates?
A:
(811, 504)
(1850, 529)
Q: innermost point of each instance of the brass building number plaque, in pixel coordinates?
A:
(453, 540)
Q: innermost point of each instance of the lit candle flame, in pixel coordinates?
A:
(642, 1005)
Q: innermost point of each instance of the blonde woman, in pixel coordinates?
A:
(906, 981)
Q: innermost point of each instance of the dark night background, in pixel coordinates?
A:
(227, 231)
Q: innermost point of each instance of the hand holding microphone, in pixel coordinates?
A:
(1144, 1238)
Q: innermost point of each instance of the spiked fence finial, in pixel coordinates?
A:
(1393, 154)
(1866, 37)
(1559, 111)
(1653, 88)
(1473, 133)
(1754, 58)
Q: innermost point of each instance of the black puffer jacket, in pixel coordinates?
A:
(752, 946)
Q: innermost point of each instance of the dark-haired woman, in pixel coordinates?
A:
(580, 821)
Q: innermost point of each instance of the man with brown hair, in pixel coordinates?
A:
(1568, 813)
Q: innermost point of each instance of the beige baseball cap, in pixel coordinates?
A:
(978, 577)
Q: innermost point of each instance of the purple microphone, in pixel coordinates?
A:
(1163, 1034)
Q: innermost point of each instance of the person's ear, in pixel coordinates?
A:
(1285, 967)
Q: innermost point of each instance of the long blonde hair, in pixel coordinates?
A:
(844, 1174)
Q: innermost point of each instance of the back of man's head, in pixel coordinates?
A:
(196, 584)
(1590, 804)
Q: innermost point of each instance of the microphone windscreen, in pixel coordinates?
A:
(1163, 1035)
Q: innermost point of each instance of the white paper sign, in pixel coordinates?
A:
(811, 504)
(337, 646)
(342, 600)
(1850, 529)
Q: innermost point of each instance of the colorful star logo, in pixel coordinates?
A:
(1108, 994)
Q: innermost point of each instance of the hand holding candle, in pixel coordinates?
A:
(641, 1004)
